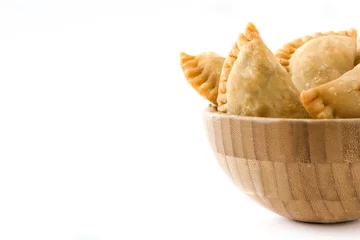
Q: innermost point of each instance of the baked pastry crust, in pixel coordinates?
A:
(203, 73)
(225, 72)
(339, 98)
(320, 58)
(357, 59)
(258, 85)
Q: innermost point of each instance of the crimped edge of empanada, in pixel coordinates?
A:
(250, 32)
(285, 53)
(225, 72)
(185, 62)
(192, 71)
(315, 105)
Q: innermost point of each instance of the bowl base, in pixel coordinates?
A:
(324, 222)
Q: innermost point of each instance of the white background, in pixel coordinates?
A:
(101, 137)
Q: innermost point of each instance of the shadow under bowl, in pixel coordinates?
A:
(303, 169)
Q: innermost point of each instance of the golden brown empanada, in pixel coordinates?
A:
(203, 73)
(357, 59)
(225, 71)
(339, 98)
(315, 60)
(258, 85)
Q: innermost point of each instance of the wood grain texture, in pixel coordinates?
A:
(306, 170)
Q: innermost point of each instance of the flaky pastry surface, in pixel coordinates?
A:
(320, 58)
(258, 85)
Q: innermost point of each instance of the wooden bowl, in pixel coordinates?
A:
(302, 169)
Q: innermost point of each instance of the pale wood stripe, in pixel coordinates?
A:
(350, 142)
(269, 179)
(255, 173)
(236, 147)
(276, 150)
(218, 136)
(305, 186)
(248, 145)
(302, 210)
(283, 184)
(220, 146)
(316, 142)
(233, 163)
(285, 138)
(322, 211)
(313, 209)
(352, 208)
(257, 179)
(226, 136)
(247, 140)
(329, 210)
(236, 138)
(308, 178)
(229, 152)
(336, 187)
(280, 207)
(326, 182)
(337, 210)
(325, 206)
(295, 181)
(300, 141)
(236, 176)
(297, 187)
(260, 141)
(245, 175)
(333, 139)
(355, 173)
(343, 181)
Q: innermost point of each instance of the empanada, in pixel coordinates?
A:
(315, 60)
(339, 98)
(203, 73)
(357, 59)
(258, 85)
(225, 71)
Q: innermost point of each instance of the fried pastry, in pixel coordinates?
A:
(357, 59)
(226, 69)
(318, 59)
(203, 73)
(339, 98)
(258, 85)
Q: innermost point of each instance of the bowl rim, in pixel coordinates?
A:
(212, 111)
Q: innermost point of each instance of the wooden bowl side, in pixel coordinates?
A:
(303, 170)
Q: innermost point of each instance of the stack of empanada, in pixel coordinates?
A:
(314, 76)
